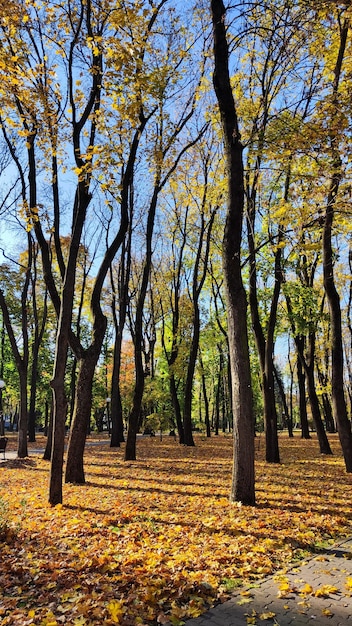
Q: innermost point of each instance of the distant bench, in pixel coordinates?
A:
(3, 444)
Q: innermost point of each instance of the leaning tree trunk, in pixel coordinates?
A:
(316, 414)
(242, 488)
(74, 472)
(308, 365)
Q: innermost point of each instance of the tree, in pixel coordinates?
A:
(337, 383)
(170, 142)
(243, 428)
(304, 315)
(198, 277)
(170, 291)
(21, 358)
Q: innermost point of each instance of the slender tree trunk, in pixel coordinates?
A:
(308, 364)
(134, 417)
(21, 364)
(288, 416)
(32, 398)
(217, 406)
(22, 451)
(188, 393)
(117, 435)
(242, 488)
(74, 472)
(327, 408)
(82, 200)
(49, 430)
(316, 415)
(177, 409)
(206, 406)
(301, 379)
(337, 382)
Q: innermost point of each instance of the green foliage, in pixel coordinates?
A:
(159, 421)
(305, 303)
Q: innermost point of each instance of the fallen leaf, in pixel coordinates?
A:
(267, 615)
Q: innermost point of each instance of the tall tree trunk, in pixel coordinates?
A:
(22, 450)
(49, 430)
(188, 393)
(117, 435)
(206, 406)
(242, 488)
(327, 408)
(177, 408)
(301, 379)
(204, 393)
(287, 414)
(337, 382)
(199, 274)
(74, 472)
(308, 364)
(134, 417)
(82, 200)
(21, 364)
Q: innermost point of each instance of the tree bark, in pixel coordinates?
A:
(337, 382)
(288, 416)
(242, 488)
(74, 471)
(301, 379)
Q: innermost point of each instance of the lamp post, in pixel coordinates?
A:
(2, 425)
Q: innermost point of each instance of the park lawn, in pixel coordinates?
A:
(156, 540)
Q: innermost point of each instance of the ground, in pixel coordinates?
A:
(156, 540)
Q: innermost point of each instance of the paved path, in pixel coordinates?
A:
(315, 593)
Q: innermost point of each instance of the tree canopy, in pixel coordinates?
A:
(160, 168)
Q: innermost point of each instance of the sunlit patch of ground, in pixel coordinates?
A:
(157, 539)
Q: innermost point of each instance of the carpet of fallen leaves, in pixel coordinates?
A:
(156, 541)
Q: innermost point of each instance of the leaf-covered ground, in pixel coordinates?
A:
(156, 540)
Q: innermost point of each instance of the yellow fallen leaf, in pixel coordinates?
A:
(244, 601)
(306, 589)
(348, 582)
(268, 615)
(115, 609)
(327, 612)
(325, 591)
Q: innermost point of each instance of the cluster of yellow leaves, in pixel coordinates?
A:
(156, 541)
